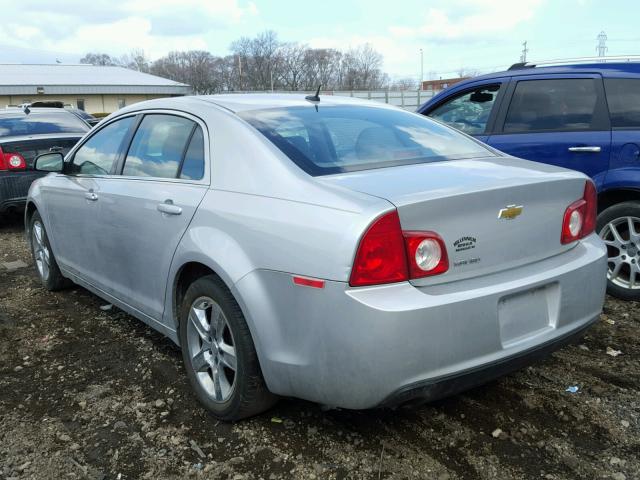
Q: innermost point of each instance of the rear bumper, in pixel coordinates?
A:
(364, 347)
(14, 187)
(436, 388)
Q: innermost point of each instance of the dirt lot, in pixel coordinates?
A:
(87, 393)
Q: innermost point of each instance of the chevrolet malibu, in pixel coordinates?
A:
(339, 251)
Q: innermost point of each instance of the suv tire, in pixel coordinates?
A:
(619, 227)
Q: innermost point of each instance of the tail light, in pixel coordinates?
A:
(386, 254)
(426, 254)
(580, 217)
(11, 161)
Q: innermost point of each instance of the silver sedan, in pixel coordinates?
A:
(339, 251)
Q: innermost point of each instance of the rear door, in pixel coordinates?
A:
(623, 98)
(471, 110)
(145, 211)
(561, 120)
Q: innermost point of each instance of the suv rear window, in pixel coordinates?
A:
(554, 105)
(623, 96)
(37, 123)
(338, 139)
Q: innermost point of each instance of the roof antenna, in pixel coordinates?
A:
(316, 97)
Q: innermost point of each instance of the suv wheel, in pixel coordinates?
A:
(43, 257)
(218, 353)
(619, 227)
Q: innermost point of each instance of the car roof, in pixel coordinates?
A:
(36, 110)
(605, 69)
(239, 102)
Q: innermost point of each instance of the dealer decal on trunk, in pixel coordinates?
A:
(464, 243)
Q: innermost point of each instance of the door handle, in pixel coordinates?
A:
(593, 149)
(91, 196)
(169, 208)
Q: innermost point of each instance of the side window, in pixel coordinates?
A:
(98, 154)
(158, 146)
(554, 105)
(193, 164)
(470, 111)
(623, 95)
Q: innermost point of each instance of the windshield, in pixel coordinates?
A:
(349, 138)
(37, 123)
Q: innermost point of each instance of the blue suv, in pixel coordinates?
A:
(581, 115)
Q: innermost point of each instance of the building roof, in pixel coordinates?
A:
(61, 79)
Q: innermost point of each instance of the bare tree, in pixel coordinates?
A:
(322, 67)
(292, 65)
(101, 59)
(196, 68)
(258, 60)
(467, 72)
(136, 60)
(406, 83)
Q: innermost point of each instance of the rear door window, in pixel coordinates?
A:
(623, 96)
(193, 163)
(158, 146)
(98, 154)
(571, 104)
(470, 111)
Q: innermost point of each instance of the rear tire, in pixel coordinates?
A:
(219, 354)
(43, 257)
(619, 227)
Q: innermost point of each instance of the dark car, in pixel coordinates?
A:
(24, 134)
(87, 117)
(583, 115)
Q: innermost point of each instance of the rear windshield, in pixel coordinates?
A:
(39, 123)
(349, 138)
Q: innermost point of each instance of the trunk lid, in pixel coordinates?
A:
(462, 201)
(32, 146)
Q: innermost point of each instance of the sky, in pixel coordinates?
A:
(477, 35)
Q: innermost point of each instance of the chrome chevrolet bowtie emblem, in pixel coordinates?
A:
(510, 212)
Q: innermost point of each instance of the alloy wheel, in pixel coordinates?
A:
(211, 349)
(40, 250)
(622, 238)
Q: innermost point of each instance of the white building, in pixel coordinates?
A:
(91, 88)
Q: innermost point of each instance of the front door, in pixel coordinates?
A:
(72, 198)
(560, 121)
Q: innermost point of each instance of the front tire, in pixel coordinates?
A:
(619, 227)
(219, 354)
(43, 257)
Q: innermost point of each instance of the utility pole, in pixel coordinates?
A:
(421, 69)
(240, 71)
(601, 48)
(525, 50)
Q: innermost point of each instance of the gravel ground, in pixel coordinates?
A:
(88, 393)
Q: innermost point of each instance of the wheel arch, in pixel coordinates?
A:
(614, 196)
(188, 272)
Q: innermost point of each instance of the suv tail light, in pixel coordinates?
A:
(386, 254)
(11, 161)
(580, 217)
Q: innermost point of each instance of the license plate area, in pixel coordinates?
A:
(527, 314)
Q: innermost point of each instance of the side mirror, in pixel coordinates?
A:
(49, 162)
